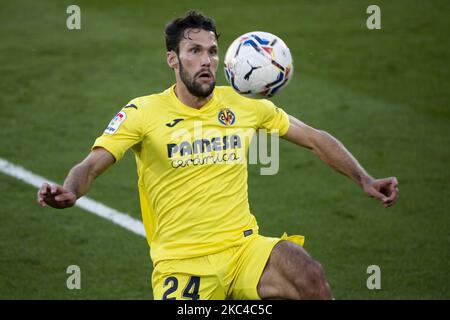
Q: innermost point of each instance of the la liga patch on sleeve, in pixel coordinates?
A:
(116, 122)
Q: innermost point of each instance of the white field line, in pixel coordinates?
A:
(85, 203)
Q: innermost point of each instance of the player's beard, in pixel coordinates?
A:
(195, 88)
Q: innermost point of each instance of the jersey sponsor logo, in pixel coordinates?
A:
(218, 150)
(225, 158)
(116, 122)
(204, 145)
(226, 117)
(175, 121)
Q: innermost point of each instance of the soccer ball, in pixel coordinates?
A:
(258, 64)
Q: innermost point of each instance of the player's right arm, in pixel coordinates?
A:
(78, 180)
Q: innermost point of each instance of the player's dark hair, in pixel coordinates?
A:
(174, 31)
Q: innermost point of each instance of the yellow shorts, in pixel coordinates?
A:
(230, 274)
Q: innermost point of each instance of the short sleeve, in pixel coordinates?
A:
(123, 131)
(270, 117)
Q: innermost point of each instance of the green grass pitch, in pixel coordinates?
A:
(383, 93)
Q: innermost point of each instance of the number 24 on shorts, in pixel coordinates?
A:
(190, 291)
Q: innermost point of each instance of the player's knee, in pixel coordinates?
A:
(313, 284)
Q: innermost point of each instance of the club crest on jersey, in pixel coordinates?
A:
(116, 122)
(226, 117)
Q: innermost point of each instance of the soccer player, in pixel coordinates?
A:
(189, 142)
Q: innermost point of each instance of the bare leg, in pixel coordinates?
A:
(290, 273)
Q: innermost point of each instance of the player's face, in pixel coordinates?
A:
(198, 60)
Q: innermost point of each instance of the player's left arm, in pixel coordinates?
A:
(333, 152)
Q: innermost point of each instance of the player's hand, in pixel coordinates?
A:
(55, 196)
(385, 190)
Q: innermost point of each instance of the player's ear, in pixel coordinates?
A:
(172, 59)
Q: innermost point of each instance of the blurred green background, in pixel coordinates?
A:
(383, 93)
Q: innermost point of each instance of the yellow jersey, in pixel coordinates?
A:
(192, 167)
